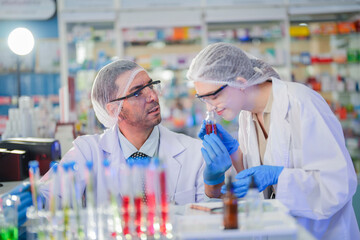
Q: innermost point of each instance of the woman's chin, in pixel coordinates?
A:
(228, 116)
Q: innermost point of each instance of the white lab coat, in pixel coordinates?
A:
(318, 180)
(180, 153)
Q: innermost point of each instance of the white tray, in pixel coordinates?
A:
(275, 224)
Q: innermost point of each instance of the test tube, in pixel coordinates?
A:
(90, 203)
(138, 183)
(66, 200)
(75, 201)
(32, 223)
(34, 176)
(165, 226)
(53, 202)
(210, 122)
(114, 219)
(53, 193)
(9, 207)
(126, 206)
(152, 223)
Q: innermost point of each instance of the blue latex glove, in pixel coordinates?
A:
(265, 175)
(24, 201)
(217, 159)
(240, 187)
(230, 143)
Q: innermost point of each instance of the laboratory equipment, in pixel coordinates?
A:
(253, 206)
(8, 210)
(34, 176)
(230, 216)
(126, 214)
(210, 122)
(13, 165)
(44, 150)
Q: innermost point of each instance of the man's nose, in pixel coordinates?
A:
(151, 95)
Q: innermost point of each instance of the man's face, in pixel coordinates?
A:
(142, 111)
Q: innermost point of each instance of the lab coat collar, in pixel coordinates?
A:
(280, 96)
(170, 153)
(170, 149)
(109, 140)
(169, 144)
(277, 152)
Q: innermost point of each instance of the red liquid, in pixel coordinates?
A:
(151, 212)
(210, 128)
(138, 212)
(126, 214)
(164, 203)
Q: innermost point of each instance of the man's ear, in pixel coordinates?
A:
(112, 108)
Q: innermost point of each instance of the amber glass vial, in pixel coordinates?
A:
(230, 207)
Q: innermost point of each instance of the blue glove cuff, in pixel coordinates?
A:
(216, 181)
(279, 170)
(234, 148)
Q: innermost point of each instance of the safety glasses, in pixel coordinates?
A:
(205, 97)
(153, 85)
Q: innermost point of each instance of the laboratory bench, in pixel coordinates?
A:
(7, 186)
(276, 223)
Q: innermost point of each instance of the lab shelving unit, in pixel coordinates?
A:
(140, 30)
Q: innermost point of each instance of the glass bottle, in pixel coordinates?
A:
(230, 207)
(210, 122)
(253, 206)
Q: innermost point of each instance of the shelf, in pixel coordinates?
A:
(146, 50)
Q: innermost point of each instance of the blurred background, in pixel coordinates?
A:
(313, 42)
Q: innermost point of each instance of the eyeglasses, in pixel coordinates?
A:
(138, 92)
(203, 97)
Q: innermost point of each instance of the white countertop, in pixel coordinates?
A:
(7, 186)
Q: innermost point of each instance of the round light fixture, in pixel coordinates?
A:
(21, 41)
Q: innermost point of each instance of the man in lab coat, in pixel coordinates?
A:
(126, 102)
(289, 140)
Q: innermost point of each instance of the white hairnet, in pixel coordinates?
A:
(224, 63)
(105, 89)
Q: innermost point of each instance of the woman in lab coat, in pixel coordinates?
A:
(290, 140)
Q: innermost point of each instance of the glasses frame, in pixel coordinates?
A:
(201, 97)
(137, 92)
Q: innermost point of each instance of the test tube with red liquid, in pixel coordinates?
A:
(126, 188)
(126, 214)
(163, 201)
(151, 198)
(210, 122)
(138, 183)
